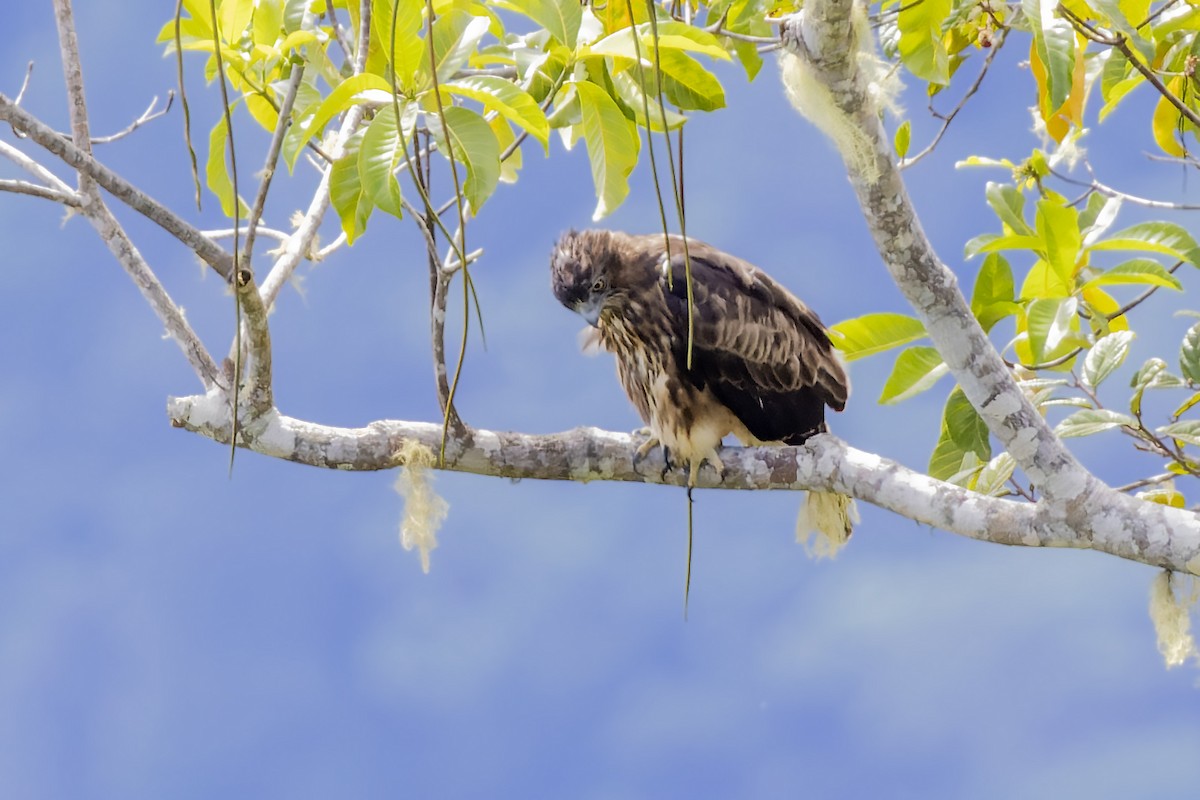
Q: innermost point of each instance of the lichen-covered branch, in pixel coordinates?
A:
(1163, 537)
(822, 71)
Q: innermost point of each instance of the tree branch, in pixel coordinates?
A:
(822, 74)
(208, 250)
(1163, 537)
(34, 190)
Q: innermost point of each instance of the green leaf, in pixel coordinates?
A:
(994, 295)
(875, 333)
(632, 95)
(1167, 238)
(1186, 405)
(456, 34)
(1137, 270)
(1187, 431)
(902, 139)
(216, 171)
(407, 54)
(1091, 421)
(995, 475)
(510, 166)
(921, 46)
(1009, 205)
(964, 435)
(1189, 354)
(1097, 216)
(1013, 242)
(1044, 282)
(1050, 322)
(612, 144)
(672, 35)
(474, 146)
(1058, 228)
(560, 18)
(1105, 356)
(506, 99)
(352, 203)
(1054, 41)
(687, 84)
(345, 95)
(378, 158)
(916, 369)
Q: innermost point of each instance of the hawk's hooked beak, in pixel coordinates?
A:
(590, 310)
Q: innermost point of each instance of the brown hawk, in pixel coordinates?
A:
(762, 366)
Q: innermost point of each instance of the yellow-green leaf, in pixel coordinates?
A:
(916, 369)
(216, 171)
(875, 333)
(506, 99)
(346, 193)
(340, 99)
(560, 18)
(902, 139)
(612, 144)
(407, 53)
(921, 46)
(475, 146)
(1140, 271)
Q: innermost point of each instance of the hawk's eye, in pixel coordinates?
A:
(599, 285)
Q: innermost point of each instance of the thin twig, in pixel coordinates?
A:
(1121, 42)
(272, 161)
(905, 163)
(270, 233)
(299, 244)
(1095, 185)
(339, 32)
(24, 83)
(149, 115)
(34, 168)
(119, 244)
(72, 198)
(1151, 481)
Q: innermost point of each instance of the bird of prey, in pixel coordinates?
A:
(761, 364)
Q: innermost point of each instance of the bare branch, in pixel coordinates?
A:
(68, 44)
(34, 168)
(45, 192)
(149, 115)
(208, 250)
(172, 317)
(260, 396)
(24, 83)
(268, 171)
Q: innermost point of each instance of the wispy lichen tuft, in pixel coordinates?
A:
(1169, 611)
(424, 510)
(825, 522)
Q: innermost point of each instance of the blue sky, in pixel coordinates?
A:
(166, 631)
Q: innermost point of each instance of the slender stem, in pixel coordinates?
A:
(272, 161)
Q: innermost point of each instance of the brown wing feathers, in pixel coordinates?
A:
(761, 351)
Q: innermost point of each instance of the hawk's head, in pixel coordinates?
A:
(592, 270)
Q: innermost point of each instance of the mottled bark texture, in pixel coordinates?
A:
(826, 70)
